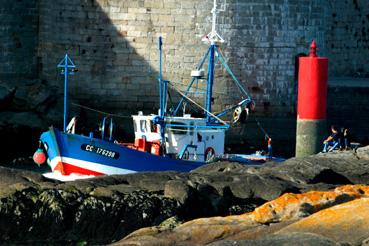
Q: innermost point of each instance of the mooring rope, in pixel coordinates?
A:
(267, 136)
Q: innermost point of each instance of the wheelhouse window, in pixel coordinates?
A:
(153, 127)
(143, 125)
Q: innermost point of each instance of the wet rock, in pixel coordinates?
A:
(33, 96)
(149, 181)
(203, 195)
(178, 190)
(243, 182)
(13, 180)
(309, 170)
(33, 209)
(20, 119)
(26, 109)
(6, 97)
(19, 132)
(100, 218)
(220, 167)
(136, 200)
(105, 209)
(363, 153)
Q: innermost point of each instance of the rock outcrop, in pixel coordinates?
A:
(346, 223)
(26, 109)
(33, 209)
(328, 215)
(258, 203)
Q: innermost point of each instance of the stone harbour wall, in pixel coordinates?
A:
(114, 45)
(348, 38)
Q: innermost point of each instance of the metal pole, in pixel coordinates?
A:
(161, 79)
(162, 100)
(209, 90)
(65, 91)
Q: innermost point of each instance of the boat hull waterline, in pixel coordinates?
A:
(73, 153)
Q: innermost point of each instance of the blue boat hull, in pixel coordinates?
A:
(72, 153)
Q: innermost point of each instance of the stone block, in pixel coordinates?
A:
(137, 10)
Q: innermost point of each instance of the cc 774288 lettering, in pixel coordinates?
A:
(100, 151)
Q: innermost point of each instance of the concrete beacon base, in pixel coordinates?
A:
(309, 136)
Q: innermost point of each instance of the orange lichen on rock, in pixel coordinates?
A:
(360, 190)
(292, 206)
(348, 222)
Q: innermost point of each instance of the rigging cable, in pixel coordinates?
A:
(101, 112)
(238, 83)
(220, 57)
(198, 105)
(267, 136)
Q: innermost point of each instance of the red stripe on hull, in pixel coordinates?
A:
(69, 169)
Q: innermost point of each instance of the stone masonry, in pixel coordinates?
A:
(18, 40)
(114, 44)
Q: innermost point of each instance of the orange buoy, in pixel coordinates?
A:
(39, 157)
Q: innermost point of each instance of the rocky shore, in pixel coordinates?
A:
(27, 108)
(317, 200)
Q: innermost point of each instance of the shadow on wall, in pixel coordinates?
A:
(107, 47)
(18, 41)
(110, 42)
(18, 72)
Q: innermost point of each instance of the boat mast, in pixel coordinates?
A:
(66, 64)
(209, 89)
(214, 38)
(161, 96)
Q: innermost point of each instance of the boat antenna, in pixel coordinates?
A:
(67, 68)
(213, 36)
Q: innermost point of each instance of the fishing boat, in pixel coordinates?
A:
(164, 141)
